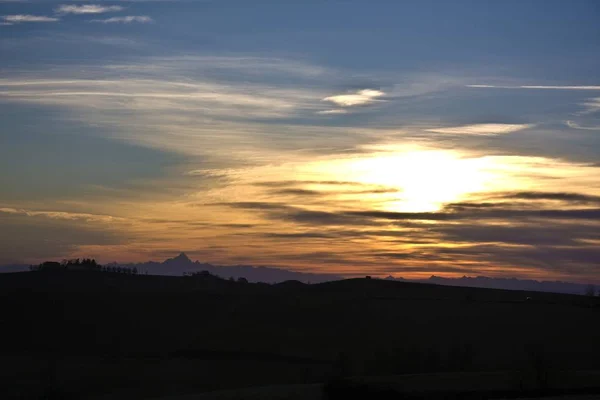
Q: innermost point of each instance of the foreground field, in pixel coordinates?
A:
(495, 385)
(95, 335)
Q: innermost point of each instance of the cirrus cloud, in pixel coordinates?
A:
(125, 20)
(481, 129)
(18, 18)
(538, 87)
(334, 111)
(86, 9)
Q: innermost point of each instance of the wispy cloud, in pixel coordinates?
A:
(592, 106)
(482, 129)
(213, 98)
(179, 102)
(540, 87)
(18, 18)
(49, 234)
(125, 20)
(575, 125)
(359, 98)
(244, 66)
(558, 196)
(334, 111)
(86, 9)
(62, 215)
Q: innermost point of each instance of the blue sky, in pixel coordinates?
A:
(214, 127)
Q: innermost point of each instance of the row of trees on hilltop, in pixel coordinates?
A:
(85, 264)
(120, 270)
(208, 275)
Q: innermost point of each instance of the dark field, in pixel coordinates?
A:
(100, 335)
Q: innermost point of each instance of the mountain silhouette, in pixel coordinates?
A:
(182, 264)
(182, 258)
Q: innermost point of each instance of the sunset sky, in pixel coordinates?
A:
(408, 138)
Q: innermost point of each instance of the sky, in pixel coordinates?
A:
(409, 138)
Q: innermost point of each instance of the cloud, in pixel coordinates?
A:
(465, 211)
(547, 260)
(335, 111)
(323, 193)
(482, 129)
(535, 87)
(531, 234)
(560, 196)
(34, 235)
(213, 107)
(86, 9)
(244, 66)
(183, 103)
(592, 106)
(62, 215)
(18, 18)
(450, 213)
(360, 98)
(125, 20)
(300, 235)
(298, 192)
(496, 237)
(288, 183)
(574, 125)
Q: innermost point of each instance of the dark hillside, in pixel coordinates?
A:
(93, 333)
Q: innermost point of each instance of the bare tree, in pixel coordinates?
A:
(590, 290)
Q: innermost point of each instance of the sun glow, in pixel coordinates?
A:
(425, 179)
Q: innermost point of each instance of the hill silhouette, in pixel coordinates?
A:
(510, 284)
(182, 264)
(89, 334)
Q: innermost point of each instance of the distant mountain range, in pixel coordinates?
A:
(14, 268)
(182, 264)
(510, 283)
(504, 283)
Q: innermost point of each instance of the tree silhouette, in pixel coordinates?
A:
(590, 290)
